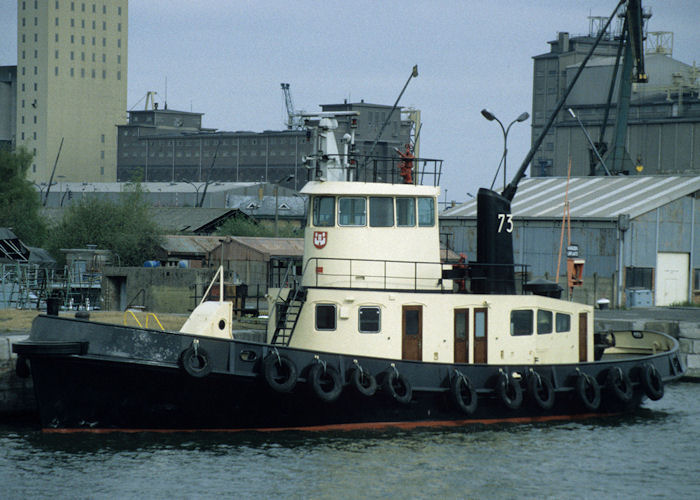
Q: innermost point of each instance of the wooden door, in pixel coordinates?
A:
(480, 335)
(583, 337)
(461, 335)
(412, 333)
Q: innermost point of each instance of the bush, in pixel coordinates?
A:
(124, 227)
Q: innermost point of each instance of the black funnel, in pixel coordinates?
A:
(494, 245)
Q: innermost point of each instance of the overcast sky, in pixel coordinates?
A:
(226, 59)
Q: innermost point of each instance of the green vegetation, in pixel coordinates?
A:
(241, 226)
(124, 227)
(19, 201)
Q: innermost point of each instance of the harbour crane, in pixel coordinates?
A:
(293, 116)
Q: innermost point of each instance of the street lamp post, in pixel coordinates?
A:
(277, 186)
(196, 189)
(491, 117)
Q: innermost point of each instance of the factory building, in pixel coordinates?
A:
(71, 86)
(162, 145)
(663, 129)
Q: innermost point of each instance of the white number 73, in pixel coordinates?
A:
(507, 220)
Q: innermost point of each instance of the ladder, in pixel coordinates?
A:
(287, 315)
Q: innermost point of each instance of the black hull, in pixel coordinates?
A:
(107, 377)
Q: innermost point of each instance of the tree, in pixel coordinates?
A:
(20, 204)
(124, 227)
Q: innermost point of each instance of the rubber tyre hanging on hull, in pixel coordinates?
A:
(463, 394)
(509, 391)
(397, 386)
(619, 385)
(541, 390)
(325, 382)
(652, 383)
(280, 373)
(588, 391)
(363, 381)
(196, 362)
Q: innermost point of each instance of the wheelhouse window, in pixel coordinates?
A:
(405, 212)
(352, 211)
(426, 212)
(381, 212)
(325, 317)
(544, 322)
(324, 211)
(369, 320)
(563, 322)
(521, 322)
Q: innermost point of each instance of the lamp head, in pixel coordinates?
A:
(488, 115)
(524, 116)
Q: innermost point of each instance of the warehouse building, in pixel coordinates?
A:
(639, 236)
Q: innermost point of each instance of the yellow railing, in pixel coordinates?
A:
(148, 315)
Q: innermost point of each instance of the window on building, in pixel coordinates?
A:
(639, 277)
(381, 211)
(325, 317)
(352, 212)
(369, 320)
(544, 322)
(426, 212)
(521, 322)
(405, 212)
(563, 322)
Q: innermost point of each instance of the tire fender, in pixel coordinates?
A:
(280, 373)
(541, 390)
(463, 394)
(325, 382)
(363, 381)
(588, 391)
(196, 362)
(652, 383)
(509, 391)
(397, 386)
(618, 383)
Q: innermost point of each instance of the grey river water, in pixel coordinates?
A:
(652, 454)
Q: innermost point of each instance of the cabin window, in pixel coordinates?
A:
(352, 211)
(324, 211)
(480, 324)
(544, 322)
(461, 324)
(521, 322)
(325, 316)
(370, 320)
(381, 212)
(426, 212)
(563, 322)
(405, 212)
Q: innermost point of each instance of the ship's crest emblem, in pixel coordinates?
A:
(320, 238)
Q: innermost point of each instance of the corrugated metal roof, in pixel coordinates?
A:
(189, 219)
(591, 197)
(195, 245)
(273, 246)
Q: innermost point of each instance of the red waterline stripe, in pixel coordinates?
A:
(349, 427)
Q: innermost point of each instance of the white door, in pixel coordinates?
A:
(672, 273)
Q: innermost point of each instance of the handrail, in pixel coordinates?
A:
(148, 315)
(314, 263)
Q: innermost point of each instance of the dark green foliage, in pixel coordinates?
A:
(125, 227)
(19, 202)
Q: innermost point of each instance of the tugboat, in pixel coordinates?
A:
(377, 331)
